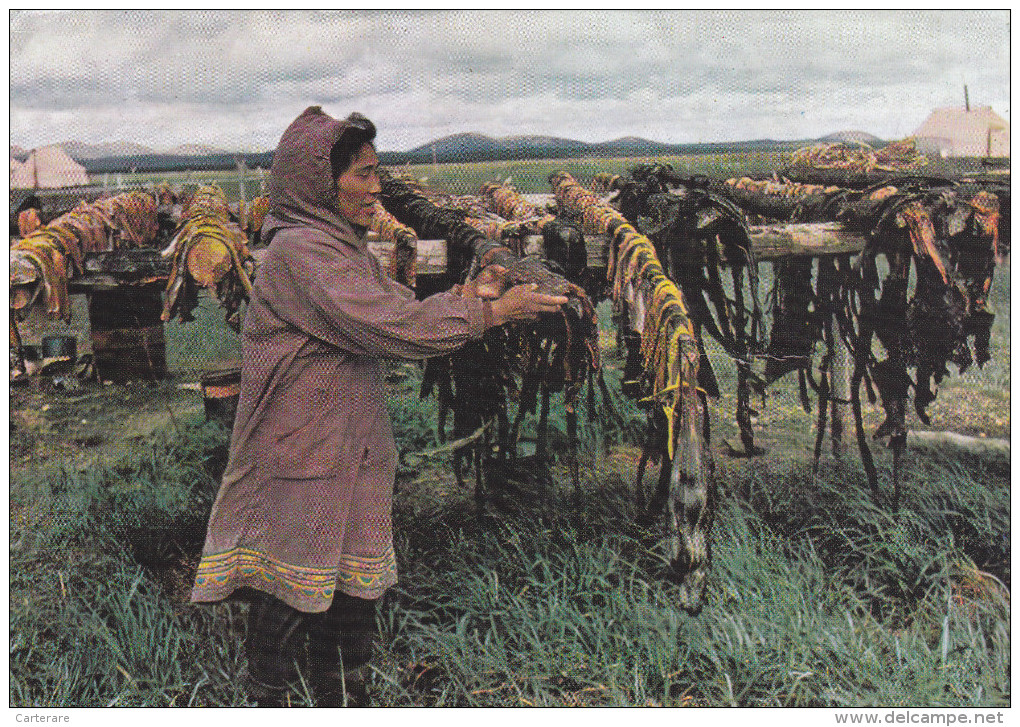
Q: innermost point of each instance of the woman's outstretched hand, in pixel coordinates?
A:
(521, 302)
(490, 281)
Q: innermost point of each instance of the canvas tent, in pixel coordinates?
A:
(962, 132)
(47, 167)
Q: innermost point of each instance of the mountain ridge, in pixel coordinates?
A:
(475, 147)
(459, 147)
(852, 136)
(80, 150)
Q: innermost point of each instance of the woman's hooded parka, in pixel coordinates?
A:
(304, 505)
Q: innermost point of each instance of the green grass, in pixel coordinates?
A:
(533, 176)
(229, 181)
(193, 347)
(817, 597)
(94, 620)
(527, 176)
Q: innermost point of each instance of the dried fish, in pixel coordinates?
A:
(208, 251)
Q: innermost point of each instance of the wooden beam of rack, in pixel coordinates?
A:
(139, 267)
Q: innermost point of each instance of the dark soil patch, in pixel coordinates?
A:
(95, 421)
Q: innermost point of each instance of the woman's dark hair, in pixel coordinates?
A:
(358, 131)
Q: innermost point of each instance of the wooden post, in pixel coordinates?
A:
(840, 389)
(241, 168)
(242, 204)
(127, 333)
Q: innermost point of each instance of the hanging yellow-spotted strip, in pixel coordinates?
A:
(671, 357)
(668, 331)
(209, 199)
(505, 201)
(255, 213)
(596, 216)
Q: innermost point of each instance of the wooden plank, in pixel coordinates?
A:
(975, 445)
(431, 255)
(769, 242)
(145, 266)
(116, 268)
(105, 282)
(127, 263)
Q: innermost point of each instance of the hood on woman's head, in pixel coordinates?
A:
(301, 184)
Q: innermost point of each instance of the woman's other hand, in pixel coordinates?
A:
(521, 302)
(490, 281)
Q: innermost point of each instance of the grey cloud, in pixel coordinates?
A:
(676, 76)
(199, 57)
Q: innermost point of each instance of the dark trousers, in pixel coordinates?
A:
(339, 645)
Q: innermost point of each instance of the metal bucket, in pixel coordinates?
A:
(220, 392)
(59, 345)
(59, 353)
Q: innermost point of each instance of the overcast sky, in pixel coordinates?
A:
(236, 79)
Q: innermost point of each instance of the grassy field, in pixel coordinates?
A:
(818, 596)
(532, 176)
(527, 176)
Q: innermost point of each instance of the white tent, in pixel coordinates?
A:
(15, 166)
(961, 132)
(49, 166)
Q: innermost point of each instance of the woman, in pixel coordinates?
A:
(302, 518)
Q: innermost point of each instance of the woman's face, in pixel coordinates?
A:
(359, 188)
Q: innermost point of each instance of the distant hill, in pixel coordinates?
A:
(633, 146)
(860, 137)
(460, 147)
(540, 147)
(463, 147)
(193, 150)
(175, 162)
(80, 151)
(471, 147)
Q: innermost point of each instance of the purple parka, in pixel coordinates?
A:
(305, 503)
